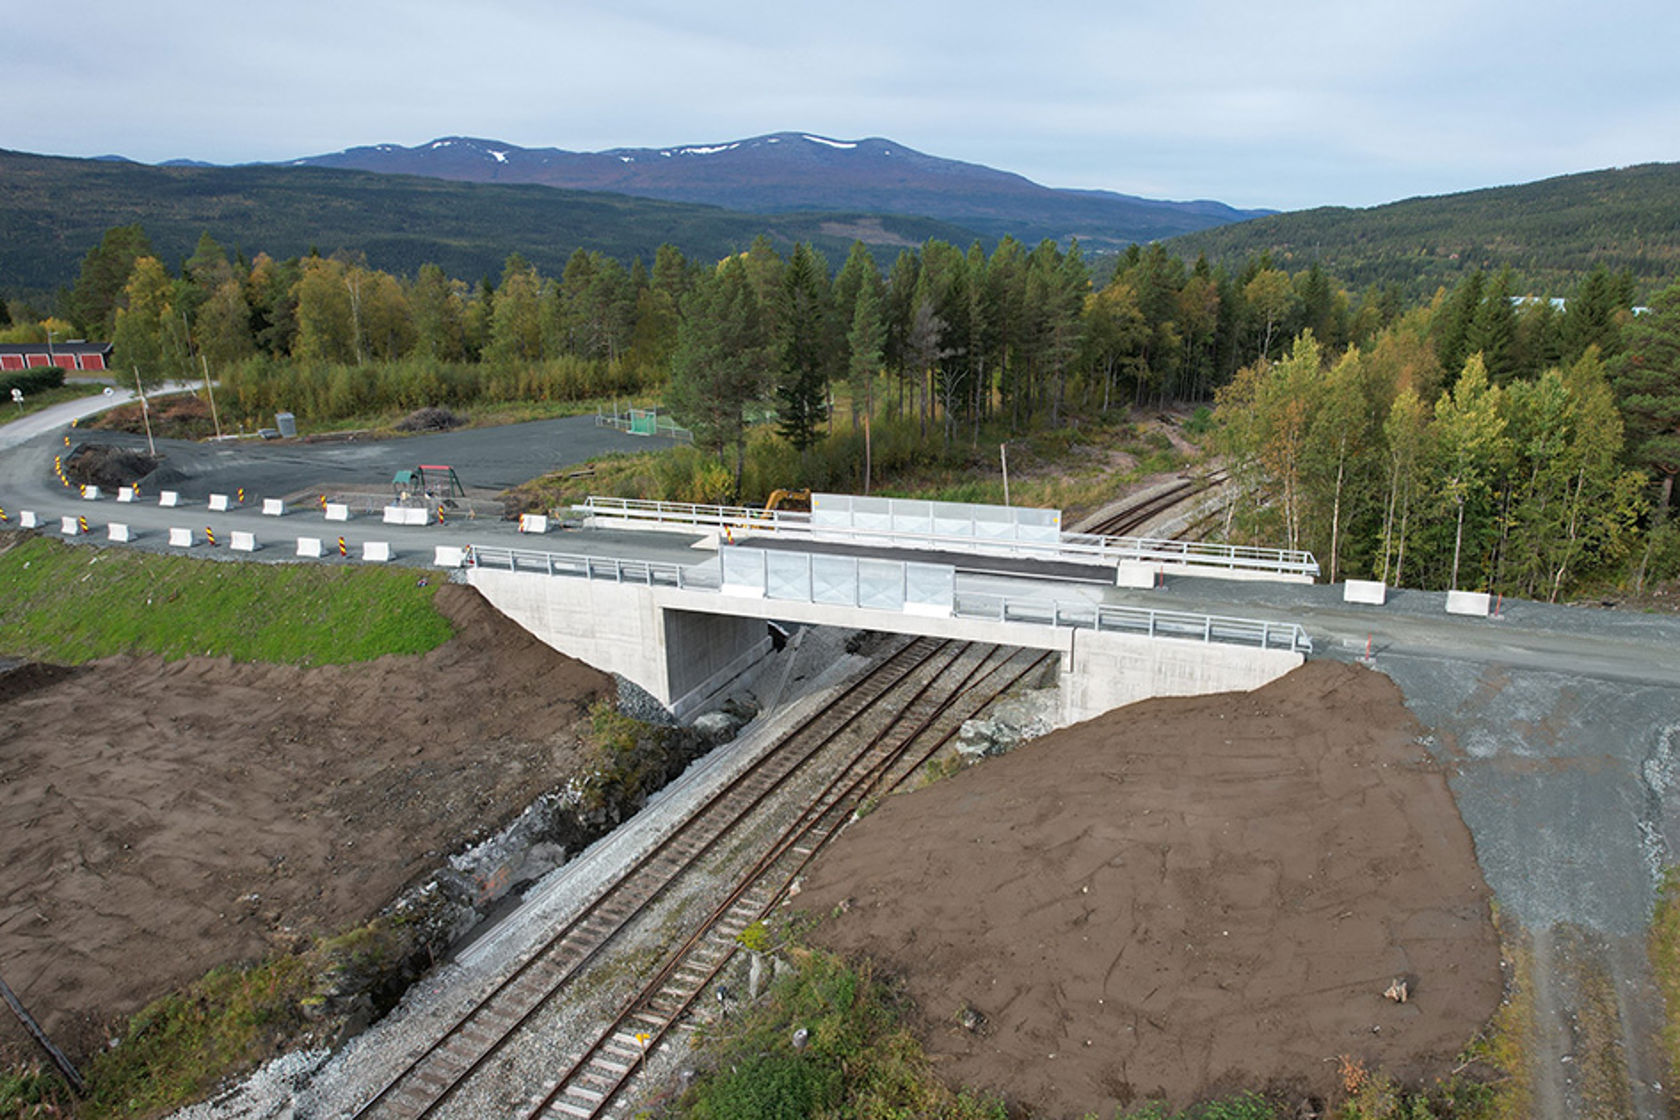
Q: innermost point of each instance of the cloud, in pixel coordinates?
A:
(1287, 104)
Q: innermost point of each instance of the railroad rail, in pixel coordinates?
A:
(506, 1007)
(594, 1078)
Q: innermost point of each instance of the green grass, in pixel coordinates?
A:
(35, 402)
(70, 604)
(860, 1058)
(1664, 946)
(178, 1048)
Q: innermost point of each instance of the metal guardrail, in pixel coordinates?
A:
(693, 514)
(1145, 621)
(1106, 618)
(652, 573)
(1086, 547)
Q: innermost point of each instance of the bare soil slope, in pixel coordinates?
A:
(1181, 898)
(159, 818)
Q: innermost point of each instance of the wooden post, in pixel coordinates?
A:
(65, 1066)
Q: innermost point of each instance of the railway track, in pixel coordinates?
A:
(912, 703)
(1135, 514)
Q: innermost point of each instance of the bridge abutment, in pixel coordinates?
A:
(682, 658)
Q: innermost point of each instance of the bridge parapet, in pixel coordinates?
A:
(959, 527)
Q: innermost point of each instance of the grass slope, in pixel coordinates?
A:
(68, 604)
(53, 210)
(1550, 232)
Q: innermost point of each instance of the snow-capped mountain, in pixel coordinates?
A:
(795, 171)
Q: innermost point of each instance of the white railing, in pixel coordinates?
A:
(689, 513)
(653, 573)
(642, 422)
(1079, 547)
(1144, 621)
(1103, 617)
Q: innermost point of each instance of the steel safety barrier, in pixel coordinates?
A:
(1079, 547)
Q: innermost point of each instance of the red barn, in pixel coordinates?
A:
(74, 356)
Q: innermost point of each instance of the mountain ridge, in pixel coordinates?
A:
(789, 172)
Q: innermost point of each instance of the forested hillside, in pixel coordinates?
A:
(52, 211)
(1472, 440)
(1550, 233)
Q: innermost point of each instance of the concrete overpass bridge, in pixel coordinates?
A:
(684, 632)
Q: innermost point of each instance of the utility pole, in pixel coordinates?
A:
(208, 388)
(145, 412)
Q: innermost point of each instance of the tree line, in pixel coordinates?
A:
(1483, 438)
(1478, 442)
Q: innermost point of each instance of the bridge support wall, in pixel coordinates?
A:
(681, 657)
(1105, 670)
(686, 646)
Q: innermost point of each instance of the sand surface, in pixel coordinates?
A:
(159, 818)
(1179, 899)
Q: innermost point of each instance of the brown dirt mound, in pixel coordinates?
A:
(159, 818)
(1182, 898)
(100, 464)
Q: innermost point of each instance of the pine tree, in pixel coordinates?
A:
(1646, 377)
(805, 347)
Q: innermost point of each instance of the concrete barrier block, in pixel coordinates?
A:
(181, 538)
(416, 516)
(90, 493)
(28, 519)
(449, 556)
(309, 546)
(394, 515)
(338, 511)
(169, 498)
(274, 507)
(117, 531)
(376, 552)
(1370, 591)
(1135, 573)
(533, 523)
(125, 493)
(218, 503)
(70, 526)
(1475, 603)
(243, 542)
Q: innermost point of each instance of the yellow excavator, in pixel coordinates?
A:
(794, 501)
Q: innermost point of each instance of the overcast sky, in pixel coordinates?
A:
(1287, 104)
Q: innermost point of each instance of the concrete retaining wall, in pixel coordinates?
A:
(680, 657)
(1105, 671)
